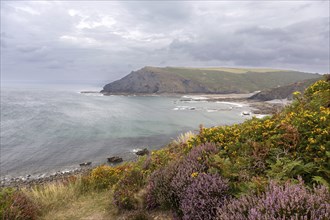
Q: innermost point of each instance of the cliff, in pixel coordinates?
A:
(203, 80)
(283, 92)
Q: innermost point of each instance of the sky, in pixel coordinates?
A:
(106, 40)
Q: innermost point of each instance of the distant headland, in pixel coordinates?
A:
(215, 80)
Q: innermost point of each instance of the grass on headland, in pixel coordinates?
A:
(234, 70)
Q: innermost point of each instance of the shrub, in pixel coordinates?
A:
(166, 187)
(126, 188)
(258, 147)
(103, 177)
(202, 198)
(195, 162)
(285, 168)
(6, 199)
(16, 205)
(159, 189)
(139, 215)
(280, 202)
(158, 159)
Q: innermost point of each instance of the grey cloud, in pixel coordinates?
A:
(263, 46)
(160, 12)
(106, 40)
(32, 49)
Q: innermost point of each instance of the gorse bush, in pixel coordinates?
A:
(126, 188)
(103, 177)
(205, 194)
(291, 143)
(159, 159)
(280, 202)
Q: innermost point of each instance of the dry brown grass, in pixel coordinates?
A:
(65, 200)
(53, 195)
(183, 138)
(91, 206)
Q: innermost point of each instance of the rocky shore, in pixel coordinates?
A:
(30, 181)
(61, 176)
(258, 107)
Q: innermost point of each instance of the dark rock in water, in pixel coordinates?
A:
(246, 113)
(145, 151)
(85, 164)
(115, 159)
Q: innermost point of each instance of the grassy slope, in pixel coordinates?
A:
(94, 205)
(232, 79)
(233, 70)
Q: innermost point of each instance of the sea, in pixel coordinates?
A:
(52, 128)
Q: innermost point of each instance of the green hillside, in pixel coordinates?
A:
(204, 80)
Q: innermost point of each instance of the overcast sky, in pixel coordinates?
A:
(73, 40)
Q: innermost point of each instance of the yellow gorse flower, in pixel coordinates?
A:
(195, 174)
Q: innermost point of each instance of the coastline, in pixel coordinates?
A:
(29, 181)
(259, 109)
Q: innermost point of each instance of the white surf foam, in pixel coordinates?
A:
(239, 105)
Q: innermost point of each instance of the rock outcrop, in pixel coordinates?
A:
(283, 92)
(150, 81)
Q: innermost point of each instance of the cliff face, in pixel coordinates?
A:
(147, 80)
(201, 80)
(283, 92)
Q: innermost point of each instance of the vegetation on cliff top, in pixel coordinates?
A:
(277, 167)
(284, 92)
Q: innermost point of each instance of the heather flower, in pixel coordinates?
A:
(166, 186)
(201, 199)
(195, 162)
(280, 202)
(159, 190)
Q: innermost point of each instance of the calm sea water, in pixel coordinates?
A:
(46, 129)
